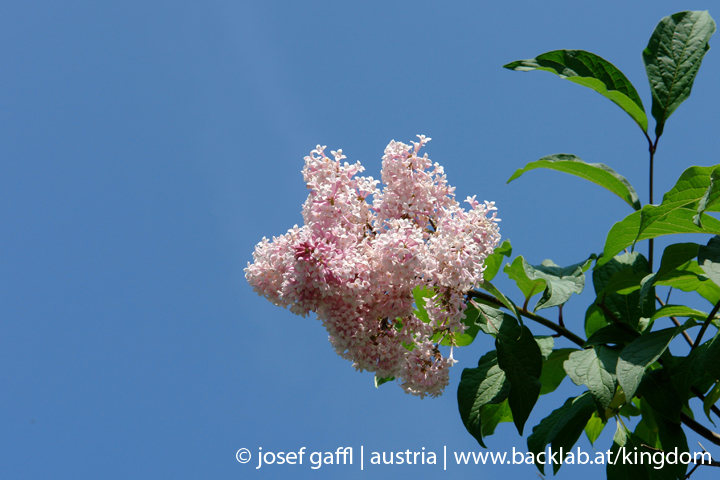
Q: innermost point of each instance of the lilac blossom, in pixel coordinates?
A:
(362, 252)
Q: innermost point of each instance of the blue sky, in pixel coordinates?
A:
(148, 146)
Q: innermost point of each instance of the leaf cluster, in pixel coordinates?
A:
(625, 365)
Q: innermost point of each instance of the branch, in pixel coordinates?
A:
(700, 429)
(537, 318)
(676, 321)
(706, 324)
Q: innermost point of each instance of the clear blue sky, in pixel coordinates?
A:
(146, 147)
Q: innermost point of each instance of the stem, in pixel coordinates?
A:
(537, 318)
(652, 148)
(706, 324)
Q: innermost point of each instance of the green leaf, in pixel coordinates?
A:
(562, 428)
(687, 192)
(594, 427)
(626, 308)
(494, 261)
(659, 392)
(380, 380)
(421, 293)
(557, 283)
(553, 372)
(641, 353)
(619, 470)
(647, 428)
(623, 282)
(685, 371)
(592, 71)
(709, 201)
(484, 385)
(546, 344)
(672, 60)
(709, 259)
(489, 287)
(468, 336)
(613, 334)
(674, 256)
(595, 368)
(648, 436)
(689, 277)
(710, 400)
(594, 320)
(625, 232)
(711, 359)
(672, 436)
(520, 358)
(678, 311)
(494, 414)
(597, 173)
(524, 276)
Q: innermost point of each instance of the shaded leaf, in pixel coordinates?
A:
(613, 334)
(625, 308)
(592, 71)
(672, 436)
(711, 359)
(520, 358)
(685, 371)
(641, 353)
(562, 427)
(595, 172)
(484, 385)
(710, 400)
(619, 470)
(673, 256)
(661, 395)
(553, 372)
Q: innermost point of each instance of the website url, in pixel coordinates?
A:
(658, 459)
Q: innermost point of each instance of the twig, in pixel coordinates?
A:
(537, 318)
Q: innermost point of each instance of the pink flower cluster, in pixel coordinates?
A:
(361, 253)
